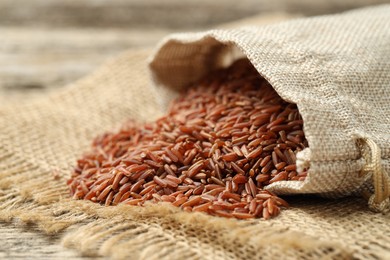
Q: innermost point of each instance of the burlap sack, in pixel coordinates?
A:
(335, 68)
(41, 140)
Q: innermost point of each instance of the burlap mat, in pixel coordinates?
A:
(41, 140)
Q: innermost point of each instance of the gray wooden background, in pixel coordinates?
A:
(47, 44)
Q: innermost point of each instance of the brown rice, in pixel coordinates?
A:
(220, 144)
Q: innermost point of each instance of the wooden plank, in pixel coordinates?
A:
(175, 14)
(25, 242)
(128, 14)
(36, 60)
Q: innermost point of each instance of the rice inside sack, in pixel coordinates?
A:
(220, 144)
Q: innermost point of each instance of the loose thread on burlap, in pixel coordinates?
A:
(380, 200)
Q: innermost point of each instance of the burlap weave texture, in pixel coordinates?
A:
(45, 136)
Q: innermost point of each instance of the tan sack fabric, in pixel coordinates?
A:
(335, 68)
(40, 141)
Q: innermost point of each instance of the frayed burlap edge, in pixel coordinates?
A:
(146, 232)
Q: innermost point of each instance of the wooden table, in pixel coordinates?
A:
(48, 44)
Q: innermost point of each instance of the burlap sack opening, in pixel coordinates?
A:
(332, 68)
(49, 134)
